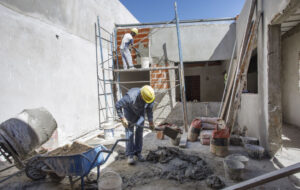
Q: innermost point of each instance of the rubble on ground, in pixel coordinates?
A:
(172, 164)
(214, 182)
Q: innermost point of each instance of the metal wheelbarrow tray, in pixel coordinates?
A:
(78, 165)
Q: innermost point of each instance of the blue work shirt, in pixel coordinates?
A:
(134, 107)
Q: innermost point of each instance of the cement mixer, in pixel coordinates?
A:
(21, 135)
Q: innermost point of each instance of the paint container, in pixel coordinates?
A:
(145, 62)
(233, 169)
(194, 130)
(238, 157)
(109, 130)
(110, 180)
(219, 142)
(219, 146)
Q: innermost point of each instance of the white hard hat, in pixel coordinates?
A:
(135, 30)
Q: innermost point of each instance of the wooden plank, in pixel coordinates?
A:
(145, 69)
(287, 12)
(244, 44)
(241, 77)
(265, 178)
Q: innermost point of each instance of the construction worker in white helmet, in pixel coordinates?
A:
(134, 104)
(125, 48)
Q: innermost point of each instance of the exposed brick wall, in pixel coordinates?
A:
(160, 78)
(141, 37)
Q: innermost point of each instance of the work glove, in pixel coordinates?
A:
(151, 126)
(124, 122)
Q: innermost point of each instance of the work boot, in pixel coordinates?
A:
(140, 158)
(130, 160)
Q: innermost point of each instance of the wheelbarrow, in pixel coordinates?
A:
(78, 165)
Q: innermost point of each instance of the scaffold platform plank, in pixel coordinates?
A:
(145, 69)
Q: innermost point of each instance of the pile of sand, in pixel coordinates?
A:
(75, 148)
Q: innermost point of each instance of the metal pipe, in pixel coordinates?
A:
(105, 30)
(97, 70)
(111, 84)
(106, 39)
(182, 88)
(147, 81)
(117, 62)
(103, 72)
(181, 22)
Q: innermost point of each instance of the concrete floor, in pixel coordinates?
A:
(253, 169)
(290, 151)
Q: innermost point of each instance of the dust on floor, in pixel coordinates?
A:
(147, 171)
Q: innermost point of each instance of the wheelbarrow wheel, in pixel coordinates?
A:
(34, 170)
(55, 178)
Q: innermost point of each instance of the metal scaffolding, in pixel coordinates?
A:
(114, 71)
(104, 74)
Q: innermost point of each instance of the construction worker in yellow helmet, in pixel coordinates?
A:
(126, 46)
(131, 110)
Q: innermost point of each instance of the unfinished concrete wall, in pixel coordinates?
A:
(211, 80)
(248, 114)
(269, 104)
(76, 17)
(290, 77)
(48, 59)
(200, 42)
(194, 109)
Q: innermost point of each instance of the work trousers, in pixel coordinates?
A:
(134, 144)
(126, 58)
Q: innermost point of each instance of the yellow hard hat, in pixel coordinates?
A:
(135, 30)
(148, 94)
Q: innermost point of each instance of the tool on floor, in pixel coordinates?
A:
(168, 131)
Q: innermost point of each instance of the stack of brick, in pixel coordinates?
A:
(159, 79)
(142, 38)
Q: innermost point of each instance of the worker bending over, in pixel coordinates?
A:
(134, 104)
(125, 47)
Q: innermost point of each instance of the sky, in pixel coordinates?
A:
(163, 10)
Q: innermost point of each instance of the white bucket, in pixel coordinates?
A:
(109, 130)
(145, 62)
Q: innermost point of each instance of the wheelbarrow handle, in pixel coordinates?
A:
(105, 151)
(116, 143)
